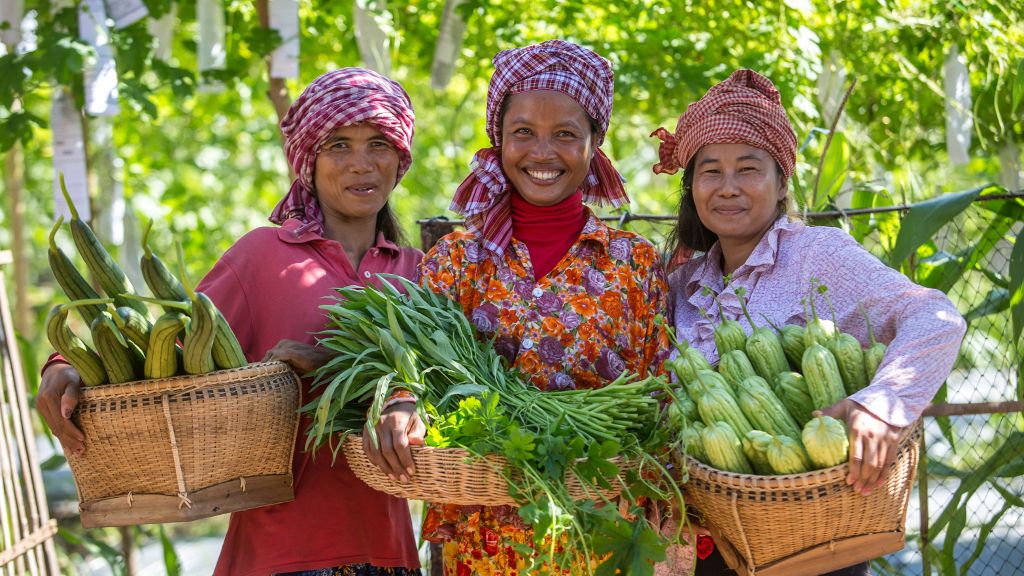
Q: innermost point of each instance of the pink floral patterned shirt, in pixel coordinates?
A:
(921, 327)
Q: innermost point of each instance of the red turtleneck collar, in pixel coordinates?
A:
(547, 231)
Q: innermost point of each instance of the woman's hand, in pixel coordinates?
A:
(399, 428)
(56, 400)
(873, 444)
(303, 358)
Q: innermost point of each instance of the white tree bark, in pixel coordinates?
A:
(373, 34)
(449, 44)
(959, 118)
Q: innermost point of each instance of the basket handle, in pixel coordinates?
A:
(182, 492)
(748, 556)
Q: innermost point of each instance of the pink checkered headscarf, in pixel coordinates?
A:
(745, 108)
(483, 197)
(335, 99)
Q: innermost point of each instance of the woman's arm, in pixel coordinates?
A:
(922, 328)
(923, 331)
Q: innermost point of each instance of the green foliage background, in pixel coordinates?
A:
(208, 166)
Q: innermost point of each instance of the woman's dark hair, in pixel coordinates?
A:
(690, 232)
(388, 225)
(595, 128)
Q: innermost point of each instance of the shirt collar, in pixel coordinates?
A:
(709, 271)
(290, 227)
(595, 230)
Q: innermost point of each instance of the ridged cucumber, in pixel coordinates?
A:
(227, 352)
(102, 266)
(71, 347)
(162, 283)
(164, 357)
(75, 286)
(121, 359)
(200, 336)
(133, 325)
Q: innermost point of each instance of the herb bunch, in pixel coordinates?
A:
(422, 342)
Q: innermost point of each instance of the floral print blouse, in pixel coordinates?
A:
(580, 326)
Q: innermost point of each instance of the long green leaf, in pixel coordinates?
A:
(833, 171)
(171, 563)
(1018, 86)
(979, 544)
(1009, 451)
(1017, 285)
(91, 542)
(1011, 498)
(462, 390)
(944, 422)
(1017, 306)
(997, 300)
(862, 225)
(926, 218)
(1006, 214)
(947, 559)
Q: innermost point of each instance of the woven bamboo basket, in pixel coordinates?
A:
(188, 447)
(454, 476)
(804, 524)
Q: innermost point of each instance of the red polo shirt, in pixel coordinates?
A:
(269, 286)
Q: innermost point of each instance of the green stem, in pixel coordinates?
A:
(87, 302)
(145, 240)
(53, 233)
(67, 198)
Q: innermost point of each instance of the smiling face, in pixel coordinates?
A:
(356, 170)
(737, 189)
(547, 145)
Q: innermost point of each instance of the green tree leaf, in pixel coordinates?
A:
(925, 219)
(634, 548)
(171, 562)
(833, 172)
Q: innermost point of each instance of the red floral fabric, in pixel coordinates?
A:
(580, 326)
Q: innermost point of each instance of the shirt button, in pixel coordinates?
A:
(366, 274)
(537, 292)
(527, 344)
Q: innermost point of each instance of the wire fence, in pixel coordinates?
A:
(966, 515)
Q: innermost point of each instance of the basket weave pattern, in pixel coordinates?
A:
(177, 435)
(453, 476)
(768, 518)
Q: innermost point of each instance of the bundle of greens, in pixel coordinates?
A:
(422, 342)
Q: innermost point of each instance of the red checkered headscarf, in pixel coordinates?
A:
(743, 109)
(335, 99)
(483, 197)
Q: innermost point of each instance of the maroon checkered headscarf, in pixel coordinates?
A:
(745, 108)
(483, 197)
(335, 99)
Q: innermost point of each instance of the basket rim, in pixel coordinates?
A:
(429, 456)
(815, 478)
(426, 451)
(184, 383)
(498, 459)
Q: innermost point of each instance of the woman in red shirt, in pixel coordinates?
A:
(348, 139)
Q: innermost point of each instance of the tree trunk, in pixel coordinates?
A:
(277, 88)
(128, 549)
(14, 183)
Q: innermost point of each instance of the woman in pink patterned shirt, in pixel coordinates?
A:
(738, 151)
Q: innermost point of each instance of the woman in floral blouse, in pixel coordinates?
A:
(570, 301)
